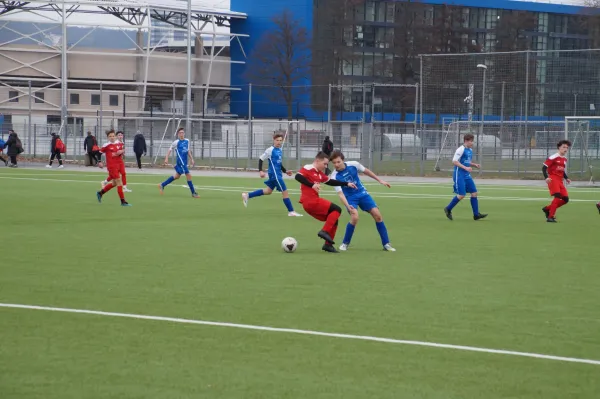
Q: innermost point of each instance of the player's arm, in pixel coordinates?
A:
(304, 180)
(344, 200)
(566, 177)
(456, 160)
(545, 172)
(373, 176)
(337, 183)
(191, 155)
(287, 172)
(265, 156)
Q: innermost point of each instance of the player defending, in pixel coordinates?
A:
(113, 150)
(121, 138)
(311, 176)
(182, 149)
(358, 198)
(274, 155)
(463, 181)
(554, 170)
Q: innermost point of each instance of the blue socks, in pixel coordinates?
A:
(191, 185)
(453, 203)
(256, 193)
(168, 181)
(475, 205)
(382, 232)
(349, 232)
(288, 204)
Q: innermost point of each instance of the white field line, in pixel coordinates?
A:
(295, 191)
(307, 332)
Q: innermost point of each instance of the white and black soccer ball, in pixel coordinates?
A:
(289, 244)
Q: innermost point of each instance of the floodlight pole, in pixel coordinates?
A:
(188, 88)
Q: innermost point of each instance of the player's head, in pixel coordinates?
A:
(277, 140)
(111, 135)
(181, 133)
(563, 147)
(468, 140)
(120, 135)
(321, 161)
(337, 159)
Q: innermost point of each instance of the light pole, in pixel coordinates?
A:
(479, 150)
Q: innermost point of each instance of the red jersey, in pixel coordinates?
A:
(307, 194)
(110, 149)
(556, 165)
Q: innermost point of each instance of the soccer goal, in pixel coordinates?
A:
(584, 134)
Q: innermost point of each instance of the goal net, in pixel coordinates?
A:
(501, 147)
(584, 156)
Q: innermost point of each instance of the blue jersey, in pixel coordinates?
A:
(350, 175)
(463, 155)
(181, 149)
(274, 155)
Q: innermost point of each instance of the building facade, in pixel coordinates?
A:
(360, 42)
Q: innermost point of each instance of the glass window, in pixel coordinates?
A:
(13, 96)
(39, 97)
(380, 12)
(74, 98)
(370, 11)
(389, 13)
(95, 100)
(113, 100)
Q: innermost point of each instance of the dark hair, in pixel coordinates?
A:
(120, 131)
(469, 137)
(560, 143)
(336, 154)
(180, 129)
(277, 135)
(108, 132)
(321, 155)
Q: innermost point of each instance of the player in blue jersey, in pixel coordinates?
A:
(273, 155)
(357, 197)
(182, 149)
(463, 181)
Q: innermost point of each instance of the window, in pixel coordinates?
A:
(74, 98)
(113, 100)
(389, 13)
(39, 97)
(95, 100)
(13, 96)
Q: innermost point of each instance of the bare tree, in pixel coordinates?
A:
(279, 64)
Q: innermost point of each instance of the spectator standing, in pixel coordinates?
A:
(327, 148)
(90, 145)
(56, 148)
(14, 147)
(5, 160)
(139, 148)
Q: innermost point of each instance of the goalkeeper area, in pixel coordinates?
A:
(182, 298)
(508, 147)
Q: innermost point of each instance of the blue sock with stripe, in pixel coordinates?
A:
(382, 232)
(453, 203)
(256, 193)
(475, 205)
(191, 185)
(349, 233)
(288, 204)
(168, 181)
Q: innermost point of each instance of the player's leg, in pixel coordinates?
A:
(271, 184)
(171, 179)
(597, 205)
(333, 213)
(369, 205)
(112, 175)
(286, 199)
(52, 156)
(460, 191)
(350, 227)
(124, 179)
(119, 182)
(472, 189)
(59, 157)
(555, 191)
(188, 176)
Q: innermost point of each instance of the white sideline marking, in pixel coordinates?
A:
(307, 332)
(296, 191)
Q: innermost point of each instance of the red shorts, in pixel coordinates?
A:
(318, 208)
(115, 171)
(557, 186)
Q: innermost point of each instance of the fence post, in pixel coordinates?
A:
(34, 140)
(210, 132)
(235, 127)
(29, 123)
(101, 127)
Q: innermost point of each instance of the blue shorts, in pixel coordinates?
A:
(464, 185)
(276, 183)
(182, 169)
(364, 202)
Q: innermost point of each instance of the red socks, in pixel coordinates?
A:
(107, 188)
(556, 203)
(331, 223)
(124, 179)
(120, 191)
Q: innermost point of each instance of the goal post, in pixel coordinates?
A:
(584, 134)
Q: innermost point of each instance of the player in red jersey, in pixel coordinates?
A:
(113, 150)
(311, 177)
(554, 171)
(121, 138)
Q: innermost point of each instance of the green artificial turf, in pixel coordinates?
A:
(511, 281)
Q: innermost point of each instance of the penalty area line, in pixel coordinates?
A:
(307, 332)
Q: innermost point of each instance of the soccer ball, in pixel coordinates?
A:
(289, 244)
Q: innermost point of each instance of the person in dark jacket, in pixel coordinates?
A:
(139, 148)
(327, 148)
(2, 158)
(90, 145)
(55, 152)
(14, 148)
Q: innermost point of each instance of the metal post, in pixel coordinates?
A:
(501, 125)
(101, 128)
(34, 140)
(29, 123)
(575, 105)
(372, 130)
(63, 67)
(250, 136)
(329, 131)
(527, 98)
(235, 130)
(188, 87)
(421, 109)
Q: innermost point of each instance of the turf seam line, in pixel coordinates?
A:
(307, 332)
